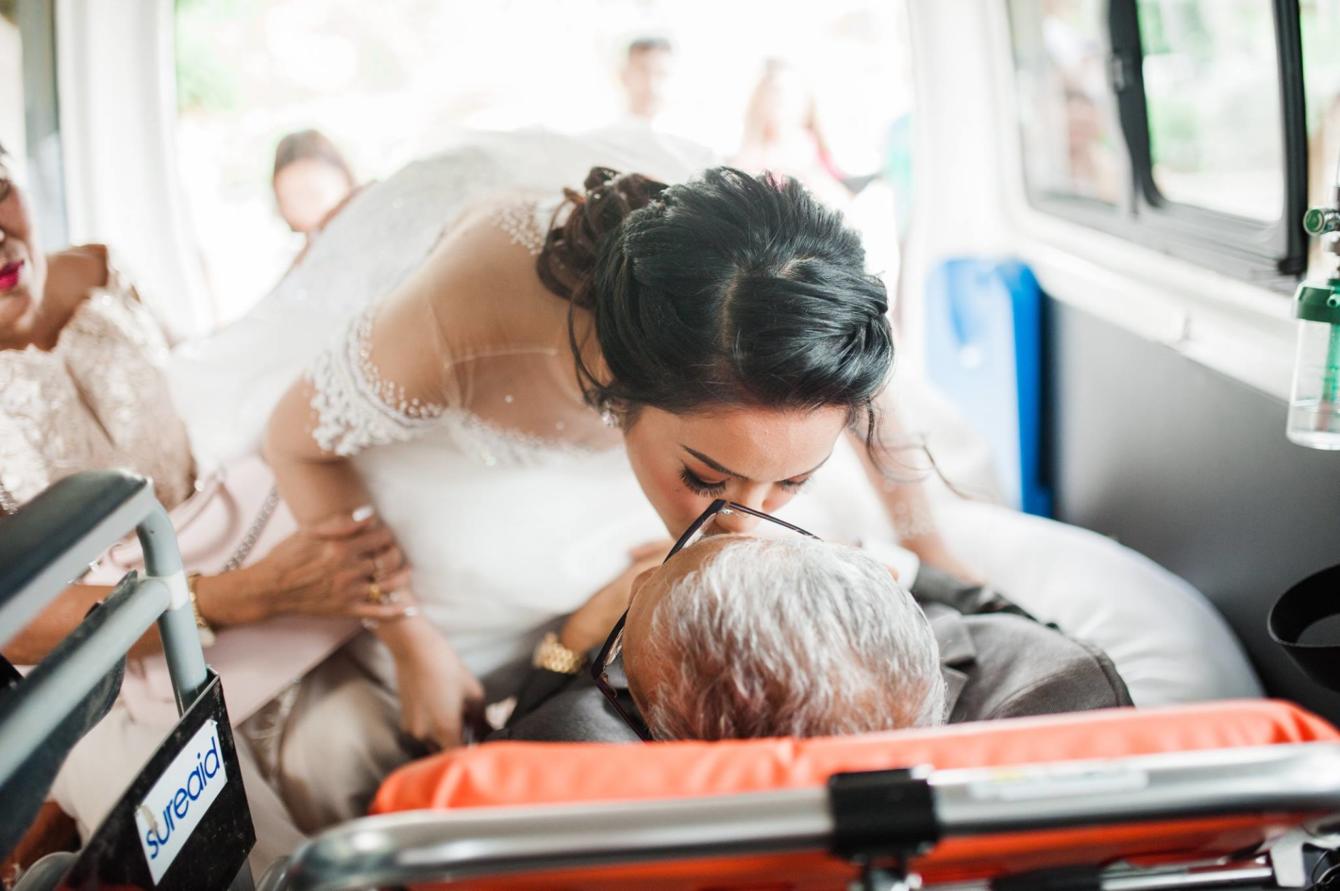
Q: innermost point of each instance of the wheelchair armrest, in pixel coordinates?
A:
(51, 540)
(35, 755)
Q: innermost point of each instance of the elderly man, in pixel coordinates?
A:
(745, 637)
(821, 643)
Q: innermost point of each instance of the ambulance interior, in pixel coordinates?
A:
(1109, 233)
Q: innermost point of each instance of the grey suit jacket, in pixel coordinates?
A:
(998, 662)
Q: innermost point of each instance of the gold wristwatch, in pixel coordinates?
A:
(207, 635)
(553, 656)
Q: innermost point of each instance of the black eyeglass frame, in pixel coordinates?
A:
(600, 666)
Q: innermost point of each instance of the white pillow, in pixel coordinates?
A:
(1169, 644)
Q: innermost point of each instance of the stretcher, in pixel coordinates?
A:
(1225, 795)
(1211, 796)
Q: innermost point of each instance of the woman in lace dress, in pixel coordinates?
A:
(82, 387)
(566, 380)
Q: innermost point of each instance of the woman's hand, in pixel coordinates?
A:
(437, 692)
(327, 570)
(591, 623)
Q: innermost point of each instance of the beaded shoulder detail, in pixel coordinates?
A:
(522, 223)
(355, 406)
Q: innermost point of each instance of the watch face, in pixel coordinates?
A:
(551, 655)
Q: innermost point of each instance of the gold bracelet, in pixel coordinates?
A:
(207, 635)
(553, 656)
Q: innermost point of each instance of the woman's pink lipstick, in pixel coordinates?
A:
(9, 275)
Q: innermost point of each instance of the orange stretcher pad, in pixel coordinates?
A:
(508, 774)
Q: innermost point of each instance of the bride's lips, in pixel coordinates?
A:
(9, 275)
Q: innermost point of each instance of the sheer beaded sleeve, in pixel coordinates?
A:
(523, 225)
(413, 356)
(392, 375)
(355, 403)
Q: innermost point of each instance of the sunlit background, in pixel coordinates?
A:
(391, 82)
(388, 88)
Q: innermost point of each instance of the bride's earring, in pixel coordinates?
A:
(608, 418)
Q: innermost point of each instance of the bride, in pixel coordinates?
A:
(565, 379)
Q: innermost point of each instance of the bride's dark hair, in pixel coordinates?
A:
(727, 290)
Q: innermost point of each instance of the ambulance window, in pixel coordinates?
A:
(1177, 124)
(29, 112)
(1213, 104)
(1071, 141)
(11, 88)
(1320, 24)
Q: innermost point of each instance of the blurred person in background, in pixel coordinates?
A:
(644, 78)
(782, 135)
(311, 180)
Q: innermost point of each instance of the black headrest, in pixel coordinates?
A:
(1315, 598)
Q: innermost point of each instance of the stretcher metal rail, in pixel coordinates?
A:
(417, 846)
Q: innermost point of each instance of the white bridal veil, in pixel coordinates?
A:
(226, 385)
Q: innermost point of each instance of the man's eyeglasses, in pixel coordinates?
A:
(613, 647)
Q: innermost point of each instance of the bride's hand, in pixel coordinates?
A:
(437, 691)
(591, 623)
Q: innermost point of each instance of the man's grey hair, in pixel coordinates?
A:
(790, 637)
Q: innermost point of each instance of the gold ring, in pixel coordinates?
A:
(375, 593)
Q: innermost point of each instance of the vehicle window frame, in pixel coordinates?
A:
(1089, 211)
(36, 20)
(1271, 254)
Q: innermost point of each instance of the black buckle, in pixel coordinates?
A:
(882, 818)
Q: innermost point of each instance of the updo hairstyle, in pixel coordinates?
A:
(729, 290)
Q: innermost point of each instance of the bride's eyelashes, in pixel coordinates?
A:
(700, 486)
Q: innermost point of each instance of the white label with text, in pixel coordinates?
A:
(178, 801)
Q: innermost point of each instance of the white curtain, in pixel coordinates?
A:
(118, 113)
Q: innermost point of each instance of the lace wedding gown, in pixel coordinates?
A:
(511, 508)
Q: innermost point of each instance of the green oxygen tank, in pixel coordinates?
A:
(1314, 405)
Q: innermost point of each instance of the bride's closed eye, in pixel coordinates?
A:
(700, 486)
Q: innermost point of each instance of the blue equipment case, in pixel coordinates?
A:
(984, 343)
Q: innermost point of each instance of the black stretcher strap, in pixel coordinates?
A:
(1315, 598)
(881, 813)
